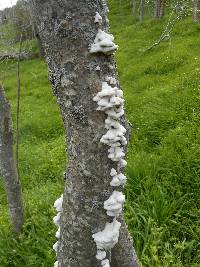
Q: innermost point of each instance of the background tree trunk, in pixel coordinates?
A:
(159, 8)
(196, 10)
(67, 29)
(134, 8)
(141, 10)
(162, 8)
(156, 9)
(148, 7)
(8, 165)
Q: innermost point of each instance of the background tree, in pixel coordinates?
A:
(156, 9)
(67, 29)
(159, 8)
(134, 8)
(8, 165)
(141, 10)
(22, 21)
(196, 10)
(162, 8)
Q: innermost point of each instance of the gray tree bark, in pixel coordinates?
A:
(159, 8)
(67, 29)
(141, 10)
(8, 165)
(148, 7)
(156, 9)
(134, 8)
(196, 10)
(162, 8)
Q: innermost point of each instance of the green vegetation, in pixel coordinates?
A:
(162, 91)
(8, 44)
(42, 162)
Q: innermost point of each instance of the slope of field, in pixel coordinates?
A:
(42, 162)
(162, 91)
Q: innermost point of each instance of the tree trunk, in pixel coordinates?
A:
(162, 8)
(196, 10)
(134, 8)
(156, 9)
(159, 8)
(67, 30)
(141, 10)
(148, 7)
(8, 165)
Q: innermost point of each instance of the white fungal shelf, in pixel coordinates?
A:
(110, 100)
(58, 206)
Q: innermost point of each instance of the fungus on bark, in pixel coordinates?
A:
(110, 100)
(104, 43)
(117, 179)
(58, 206)
(108, 238)
(97, 18)
(114, 204)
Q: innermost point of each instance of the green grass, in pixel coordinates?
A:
(8, 44)
(42, 162)
(162, 91)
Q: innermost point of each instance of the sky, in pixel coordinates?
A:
(6, 3)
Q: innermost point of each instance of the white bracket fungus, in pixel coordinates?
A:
(122, 163)
(103, 43)
(115, 113)
(116, 153)
(101, 254)
(113, 172)
(55, 247)
(105, 263)
(110, 100)
(98, 18)
(118, 179)
(111, 123)
(58, 233)
(56, 219)
(106, 91)
(111, 80)
(58, 204)
(112, 136)
(114, 204)
(106, 239)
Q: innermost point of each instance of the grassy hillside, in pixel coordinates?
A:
(162, 91)
(8, 43)
(42, 162)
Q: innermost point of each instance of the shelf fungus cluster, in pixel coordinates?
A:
(56, 220)
(104, 43)
(110, 100)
